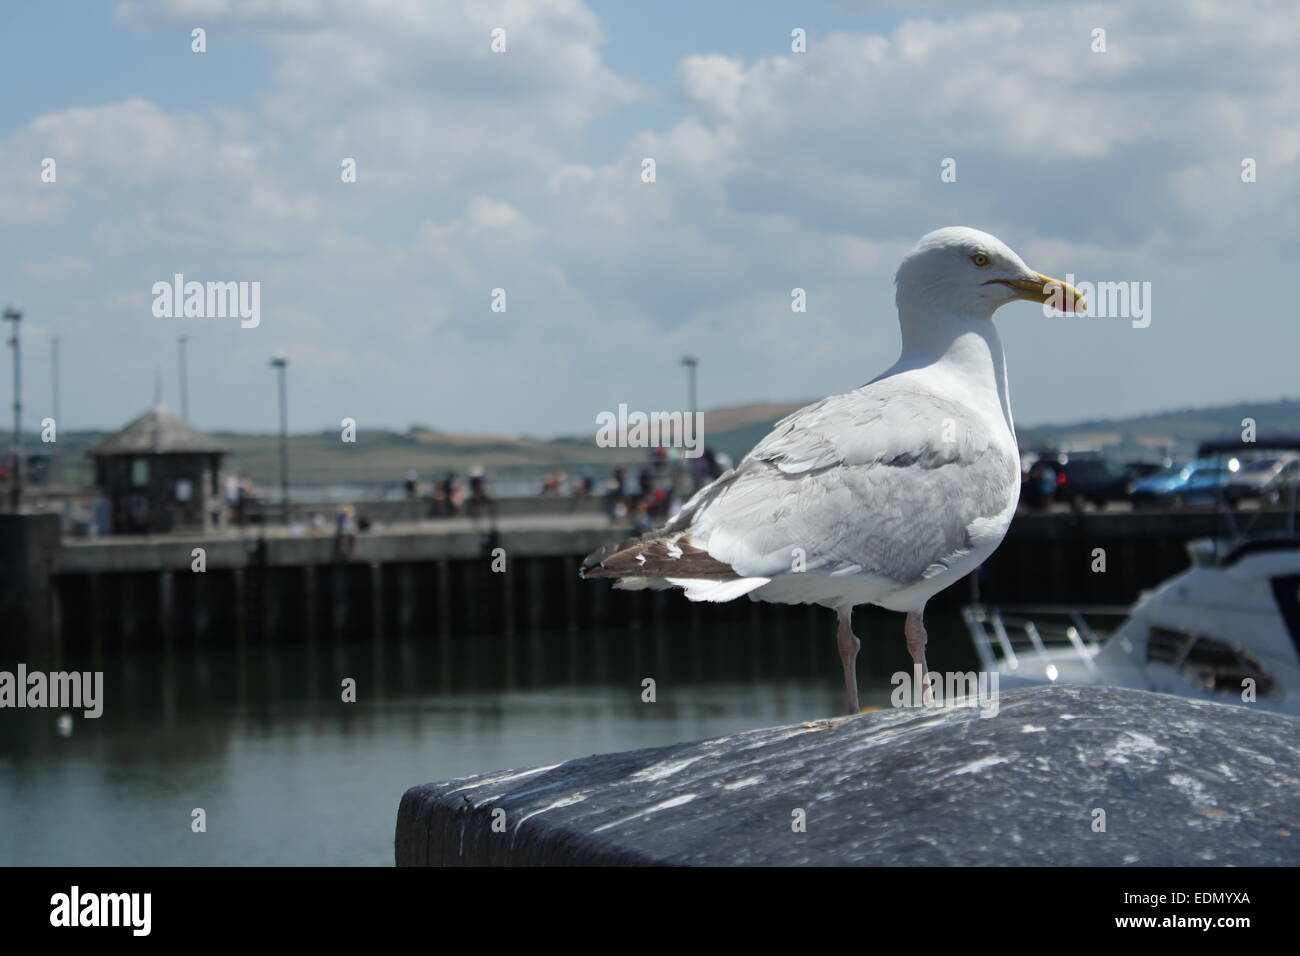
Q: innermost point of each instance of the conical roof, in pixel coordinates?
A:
(159, 431)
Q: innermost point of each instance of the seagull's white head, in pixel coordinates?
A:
(962, 271)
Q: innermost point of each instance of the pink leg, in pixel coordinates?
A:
(848, 645)
(914, 630)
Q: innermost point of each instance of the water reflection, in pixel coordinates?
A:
(289, 774)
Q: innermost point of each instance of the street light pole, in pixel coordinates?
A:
(54, 380)
(185, 388)
(281, 364)
(690, 361)
(12, 314)
(54, 386)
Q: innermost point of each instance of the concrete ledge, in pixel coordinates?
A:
(1181, 783)
(448, 539)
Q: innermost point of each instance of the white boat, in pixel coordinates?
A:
(1225, 629)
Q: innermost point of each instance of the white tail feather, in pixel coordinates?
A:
(703, 589)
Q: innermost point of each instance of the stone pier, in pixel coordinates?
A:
(1061, 776)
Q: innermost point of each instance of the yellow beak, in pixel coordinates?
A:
(1063, 296)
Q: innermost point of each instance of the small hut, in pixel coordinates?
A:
(160, 474)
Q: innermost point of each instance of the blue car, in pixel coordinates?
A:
(1199, 482)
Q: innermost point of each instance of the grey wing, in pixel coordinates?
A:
(888, 480)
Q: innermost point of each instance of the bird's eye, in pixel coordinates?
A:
(980, 259)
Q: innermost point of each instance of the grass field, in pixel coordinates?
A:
(383, 457)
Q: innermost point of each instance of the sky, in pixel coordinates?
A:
(522, 170)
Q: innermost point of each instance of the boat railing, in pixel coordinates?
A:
(1004, 634)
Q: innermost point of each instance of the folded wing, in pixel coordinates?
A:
(916, 472)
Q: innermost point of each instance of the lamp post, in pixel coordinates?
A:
(690, 361)
(185, 387)
(281, 364)
(54, 388)
(14, 315)
(54, 378)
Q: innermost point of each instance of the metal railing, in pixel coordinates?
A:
(1003, 634)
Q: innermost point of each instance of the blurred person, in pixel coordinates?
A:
(646, 482)
(674, 506)
(231, 492)
(618, 512)
(642, 522)
(1040, 485)
(449, 495)
(659, 458)
(480, 501)
(345, 533)
(615, 499)
(245, 494)
(216, 513)
(658, 501)
(553, 484)
(712, 469)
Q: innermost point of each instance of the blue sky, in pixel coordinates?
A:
(78, 53)
(522, 171)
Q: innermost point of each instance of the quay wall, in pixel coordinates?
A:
(455, 576)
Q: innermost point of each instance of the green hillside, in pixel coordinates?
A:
(384, 457)
(1176, 432)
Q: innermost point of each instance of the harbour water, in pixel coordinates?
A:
(287, 773)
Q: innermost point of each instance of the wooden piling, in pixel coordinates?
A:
(376, 601)
(95, 588)
(239, 581)
(311, 602)
(442, 584)
(405, 573)
(167, 605)
(569, 574)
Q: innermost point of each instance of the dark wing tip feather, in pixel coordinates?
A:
(652, 556)
(591, 564)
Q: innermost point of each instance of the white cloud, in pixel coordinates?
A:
(813, 170)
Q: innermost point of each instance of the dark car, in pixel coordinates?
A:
(1137, 470)
(1091, 479)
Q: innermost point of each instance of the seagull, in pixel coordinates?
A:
(883, 495)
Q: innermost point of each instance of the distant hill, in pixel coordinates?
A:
(378, 457)
(1174, 433)
(383, 457)
(719, 421)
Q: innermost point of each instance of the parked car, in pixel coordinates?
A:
(1198, 482)
(1089, 478)
(1143, 469)
(1268, 479)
